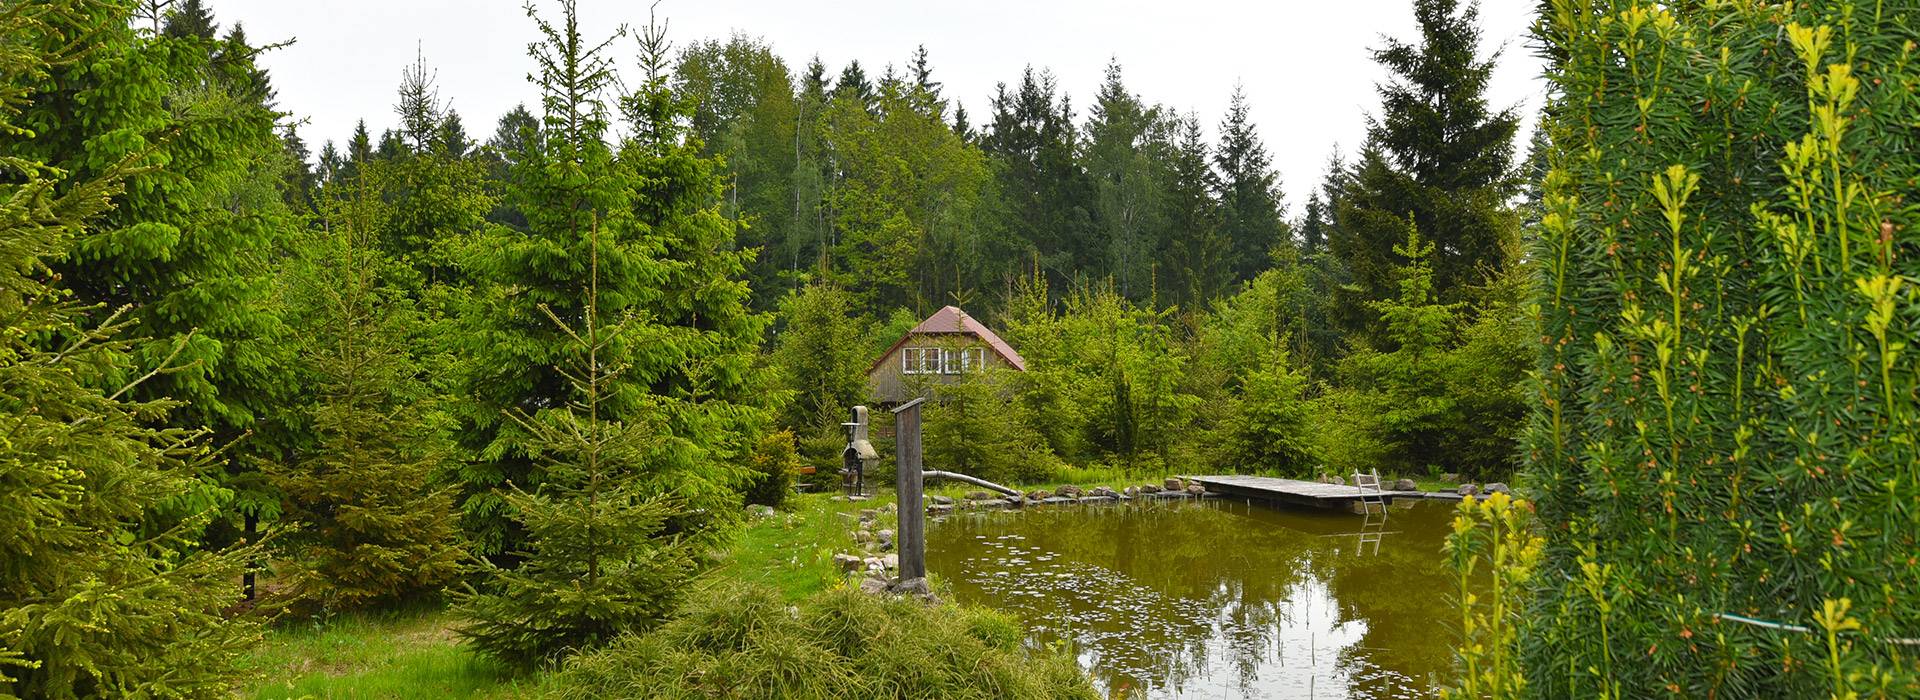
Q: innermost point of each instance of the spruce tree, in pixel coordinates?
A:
(1437, 158)
(610, 542)
(1251, 213)
(1195, 255)
(190, 19)
(665, 257)
(1047, 202)
(927, 99)
(190, 243)
(821, 363)
(103, 591)
(1121, 160)
(597, 558)
(563, 182)
(370, 524)
(439, 199)
(1313, 225)
(512, 135)
(853, 83)
(450, 137)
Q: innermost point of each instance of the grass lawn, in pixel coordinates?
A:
(404, 654)
(415, 653)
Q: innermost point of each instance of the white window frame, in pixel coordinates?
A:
(973, 359)
(935, 360)
(920, 361)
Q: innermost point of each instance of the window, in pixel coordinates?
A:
(942, 360)
(973, 360)
(920, 361)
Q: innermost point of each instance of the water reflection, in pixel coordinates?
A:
(1218, 599)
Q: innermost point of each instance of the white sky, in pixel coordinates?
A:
(1305, 64)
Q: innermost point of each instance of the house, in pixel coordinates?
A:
(942, 349)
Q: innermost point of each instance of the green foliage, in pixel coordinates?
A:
(773, 462)
(1499, 533)
(745, 110)
(599, 560)
(905, 203)
(973, 427)
(1436, 159)
(188, 245)
(372, 525)
(745, 642)
(1104, 377)
(1727, 399)
(645, 221)
(1438, 400)
(102, 593)
(1046, 202)
(1252, 217)
(1266, 426)
(821, 358)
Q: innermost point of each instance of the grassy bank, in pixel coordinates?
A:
(415, 653)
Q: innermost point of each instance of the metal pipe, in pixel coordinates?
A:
(983, 483)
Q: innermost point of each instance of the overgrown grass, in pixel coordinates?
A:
(792, 551)
(406, 654)
(746, 641)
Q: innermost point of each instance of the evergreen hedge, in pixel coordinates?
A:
(1727, 401)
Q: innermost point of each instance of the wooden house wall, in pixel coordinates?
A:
(888, 385)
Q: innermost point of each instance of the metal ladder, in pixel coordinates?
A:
(1368, 499)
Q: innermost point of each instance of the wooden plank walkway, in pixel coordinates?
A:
(1310, 493)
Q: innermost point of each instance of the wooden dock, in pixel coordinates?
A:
(1310, 493)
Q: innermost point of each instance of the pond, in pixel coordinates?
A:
(1219, 598)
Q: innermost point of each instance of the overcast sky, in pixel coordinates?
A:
(1304, 64)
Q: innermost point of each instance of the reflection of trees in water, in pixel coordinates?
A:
(1219, 595)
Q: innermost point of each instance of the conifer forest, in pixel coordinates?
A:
(553, 403)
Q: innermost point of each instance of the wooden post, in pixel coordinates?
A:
(908, 486)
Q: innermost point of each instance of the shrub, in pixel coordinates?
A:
(1727, 394)
(744, 642)
(972, 427)
(1266, 426)
(773, 463)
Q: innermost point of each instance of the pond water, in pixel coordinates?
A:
(1219, 598)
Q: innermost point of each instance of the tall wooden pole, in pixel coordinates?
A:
(908, 485)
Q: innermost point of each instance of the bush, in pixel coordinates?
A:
(973, 427)
(1266, 426)
(1728, 405)
(773, 463)
(745, 642)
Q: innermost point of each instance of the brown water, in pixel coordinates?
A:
(1218, 598)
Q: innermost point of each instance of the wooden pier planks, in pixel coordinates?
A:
(1295, 491)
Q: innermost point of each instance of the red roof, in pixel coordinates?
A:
(951, 320)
